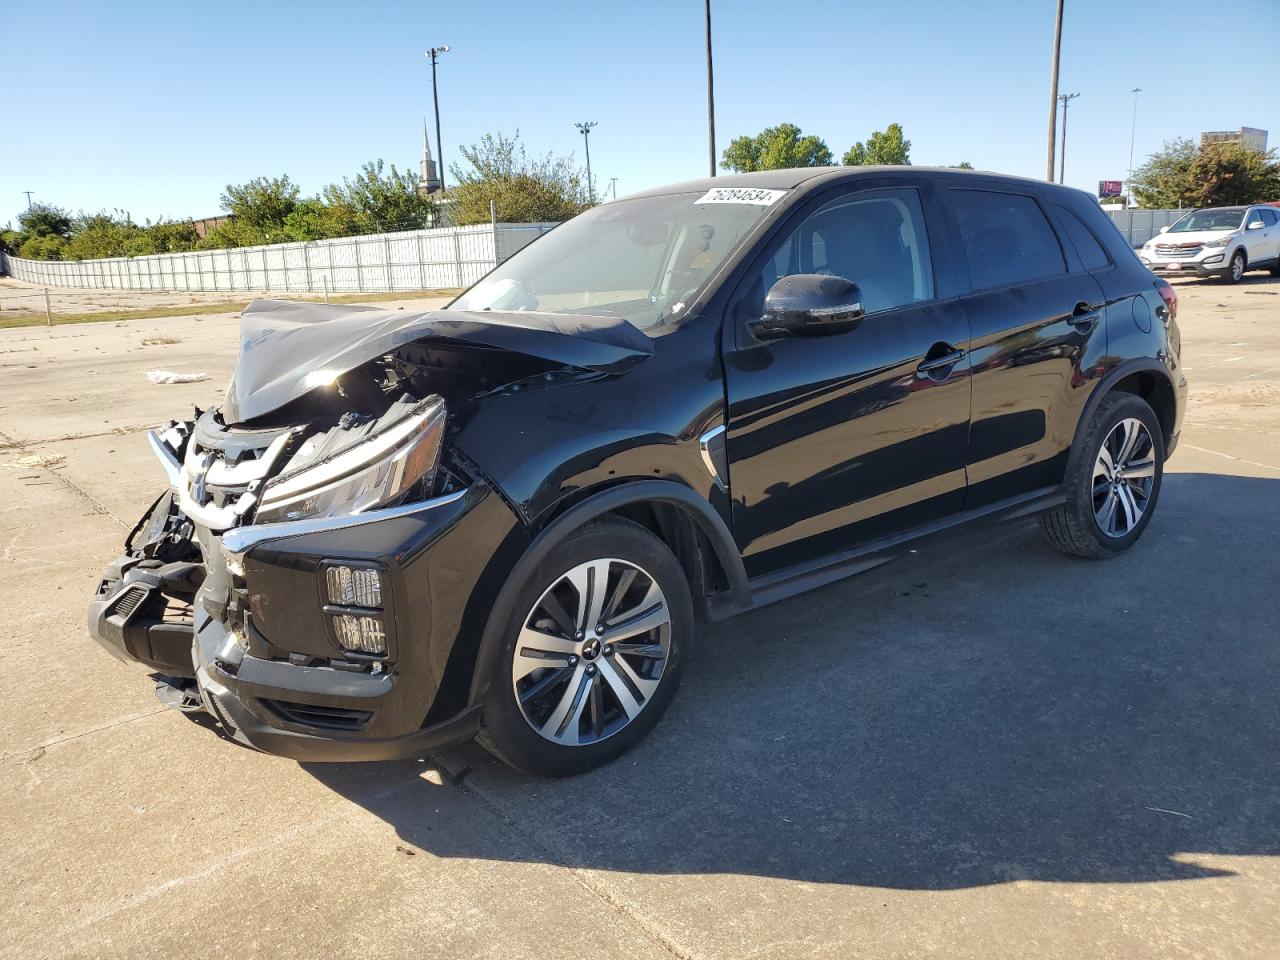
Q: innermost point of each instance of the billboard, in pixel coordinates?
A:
(1110, 188)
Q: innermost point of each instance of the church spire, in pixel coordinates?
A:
(429, 181)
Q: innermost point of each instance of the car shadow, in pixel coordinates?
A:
(983, 711)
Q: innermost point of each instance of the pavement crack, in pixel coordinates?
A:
(39, 749)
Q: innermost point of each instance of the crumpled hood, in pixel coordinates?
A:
(288, 348)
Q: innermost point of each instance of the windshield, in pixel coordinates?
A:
(643, 260)
(1227, 218)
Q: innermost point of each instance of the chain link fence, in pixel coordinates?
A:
(376, 263)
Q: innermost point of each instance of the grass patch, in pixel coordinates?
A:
(160, 341)
(30, 319)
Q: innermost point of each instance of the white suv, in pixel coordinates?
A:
(1224, 241)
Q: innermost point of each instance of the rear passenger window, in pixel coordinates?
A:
(1269, 217)
(1006, 237)
(1086, 244)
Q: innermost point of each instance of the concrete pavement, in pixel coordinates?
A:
(984, 750)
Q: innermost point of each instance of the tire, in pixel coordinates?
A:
(1236, 268)
(1097, 521)
(1275, 271)
(593, 701)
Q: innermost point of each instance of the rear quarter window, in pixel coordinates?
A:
(1087, 246)
(1007, 238)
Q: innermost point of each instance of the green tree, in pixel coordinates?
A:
(381, 201)
(1224, 174)
(102, 234)
(1165, 180)
(963, 165)
(259, 208)
(45, 220)
(11, 239)
(775, 148)
(887, 147)
(46, 247)
(525, 189)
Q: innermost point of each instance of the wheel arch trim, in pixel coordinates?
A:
(1108, 383)
(575, 517)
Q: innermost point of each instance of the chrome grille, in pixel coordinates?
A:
(1173, 250)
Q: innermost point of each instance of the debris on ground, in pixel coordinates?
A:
(168, 376)
(39, 461)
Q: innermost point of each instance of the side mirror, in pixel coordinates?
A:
(1164, 229)
(1255, 225)
(809, 303)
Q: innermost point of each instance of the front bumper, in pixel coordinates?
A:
(1173, 267)
(266, 665)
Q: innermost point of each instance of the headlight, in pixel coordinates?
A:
(1221, 241)
(371, 474)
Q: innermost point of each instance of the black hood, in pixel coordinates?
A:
(289, 348)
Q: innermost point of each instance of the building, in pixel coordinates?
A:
(429, 178)
(1251, 138)
(204, 225)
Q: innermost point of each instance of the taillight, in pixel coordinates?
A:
(1169, 296)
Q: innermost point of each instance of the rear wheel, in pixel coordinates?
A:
(1113, 481)
(594, 652)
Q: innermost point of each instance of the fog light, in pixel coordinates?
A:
(1214, 259)
(361, 634)
(354, 586)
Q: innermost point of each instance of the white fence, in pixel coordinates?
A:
(1139, 225)
(378, 263)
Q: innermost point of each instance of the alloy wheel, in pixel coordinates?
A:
(1237, 267)
(1123, 476)
(591, 652)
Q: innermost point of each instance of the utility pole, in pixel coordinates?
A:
(613, 188)
(1053, 94)
(433, 54)
(711, 99)
(28, 193)
(585, 129)
(1133, 133)
(1066, 99)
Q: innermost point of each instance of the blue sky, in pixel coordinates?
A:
(154, 107)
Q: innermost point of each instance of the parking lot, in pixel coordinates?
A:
(983, 750)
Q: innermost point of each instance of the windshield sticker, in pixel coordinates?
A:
(760, 198)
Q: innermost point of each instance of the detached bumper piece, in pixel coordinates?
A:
(136, 616)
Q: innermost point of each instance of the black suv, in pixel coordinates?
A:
(504, 519)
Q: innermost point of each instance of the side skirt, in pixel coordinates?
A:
(808, 576)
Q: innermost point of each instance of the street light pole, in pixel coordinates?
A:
(1066, 99)
(1053, 94)
(1133, 133)
(433, 54)
(711, 99)
(585, 128)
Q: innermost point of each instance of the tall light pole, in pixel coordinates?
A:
(585, 129)
(433, 54)
(1066, 99)
(1053, 95)
(1133, 133)
(711, 99)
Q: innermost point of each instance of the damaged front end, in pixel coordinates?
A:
(290, 580)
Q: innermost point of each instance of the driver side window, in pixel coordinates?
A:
(875, 238)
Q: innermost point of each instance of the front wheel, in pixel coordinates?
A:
(1113, 481)
(594, 651)
(1236, 268)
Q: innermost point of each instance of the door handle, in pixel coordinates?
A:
(941, 363)
(1084, 316)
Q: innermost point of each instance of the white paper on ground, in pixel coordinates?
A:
(168, 376)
